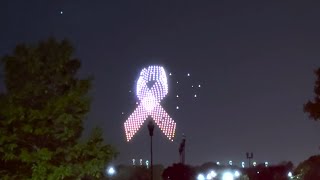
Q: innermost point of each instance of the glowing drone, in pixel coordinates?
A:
(152, 87)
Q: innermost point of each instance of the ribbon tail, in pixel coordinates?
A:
(134, 122)
(164, 121)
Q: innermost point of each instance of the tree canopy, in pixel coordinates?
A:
(313, 107)
(179, 172)
(42, 113)
(308, 169)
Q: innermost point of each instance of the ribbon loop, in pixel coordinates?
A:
(150, 99)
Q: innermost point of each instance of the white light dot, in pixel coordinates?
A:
(177, 96)
(199, 85)
(111, 171)
(254, 163)
(237, 174)
(122, 113)
(192, 86)
(227, 176)
(188, 74)
(201, 177)
(170, 74)
(195, 95)
(61, 12)
(177, 82)
(177, 107)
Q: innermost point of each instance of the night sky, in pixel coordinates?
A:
(253, 60)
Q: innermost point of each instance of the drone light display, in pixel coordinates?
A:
(152, 87)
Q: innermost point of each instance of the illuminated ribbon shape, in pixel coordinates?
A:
(149, 105)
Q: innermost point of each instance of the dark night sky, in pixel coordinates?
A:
(254, 60)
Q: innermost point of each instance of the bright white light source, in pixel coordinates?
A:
(230, 163)
(227, 176)
(111, 171)
(192, 86)
(242, 164)
(195, 95)
(199, 85)
(211, 175)
(122, 113)
(201, 177)
(290, 174)
(177, 82)
(61, 12)
(177, 107)
(188, 74)
(254, 163)
(147, 163)
(177, 96)
(236, 174)
(133, 162)
(150, 98)
(218, 163)
(140, 162)
(266, 164)
(170, 74)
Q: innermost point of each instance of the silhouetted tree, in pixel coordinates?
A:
(179, 172)
(313, 107)
(276, 172)
(132, 173)
(41, 117)
(309, 169)
(208, 166)
(157, 171)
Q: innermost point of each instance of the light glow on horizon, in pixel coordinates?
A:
(149, 106)
(212, 174)
(227, 176)
(201, 177)
(111, 171)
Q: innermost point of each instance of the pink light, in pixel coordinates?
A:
(150, 103)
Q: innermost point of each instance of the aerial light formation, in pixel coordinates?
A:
(152, 87)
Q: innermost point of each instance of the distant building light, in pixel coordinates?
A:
(201, 177)
(111, 171)
(212, 174)
(230, 163)
(237, 174)
(227, 176)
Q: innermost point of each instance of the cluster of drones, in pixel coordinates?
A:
(151, 88)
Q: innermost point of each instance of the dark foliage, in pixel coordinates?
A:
(313, 107)
(179, 172)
